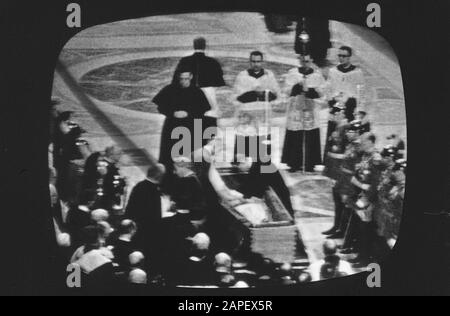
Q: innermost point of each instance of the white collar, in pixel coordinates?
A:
(152, 181)
(125, 238)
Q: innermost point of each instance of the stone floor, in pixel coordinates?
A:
(108, 75)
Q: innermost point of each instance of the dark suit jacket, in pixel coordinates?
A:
(206, 71)
(144, 207)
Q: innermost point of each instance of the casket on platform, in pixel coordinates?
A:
(262, 226)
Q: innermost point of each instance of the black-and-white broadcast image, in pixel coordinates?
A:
(226, 149)
(233, 149)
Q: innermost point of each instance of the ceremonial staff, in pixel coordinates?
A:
(267, 103)
(304, 39)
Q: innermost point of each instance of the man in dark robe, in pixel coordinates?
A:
(207, 74)
(145, 209)
(183, 104)
(186, 190)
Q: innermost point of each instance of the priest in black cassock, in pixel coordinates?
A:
(207, 74)
(183, 104)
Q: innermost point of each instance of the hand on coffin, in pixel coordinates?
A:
(231, 197)
(254, 200)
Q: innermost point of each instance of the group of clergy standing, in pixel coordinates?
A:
(190, 103)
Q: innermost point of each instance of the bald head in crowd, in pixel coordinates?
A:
(137, 276)
(201, 242)
(99, 215)
(105, 230)
(156, 173)
(330, 248)
(223, 263)
(136, 258)
(127, 227)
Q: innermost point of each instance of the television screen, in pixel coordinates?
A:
(322, 102)
(215, 149)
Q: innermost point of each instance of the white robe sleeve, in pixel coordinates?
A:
(292, 78)
(333, 82)
(317, 82)
(242, 84)
(272, 84)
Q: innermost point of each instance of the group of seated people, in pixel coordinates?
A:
(166, 230)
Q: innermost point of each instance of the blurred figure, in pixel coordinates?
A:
(345, 187)
(112, 184)
(105, 232)
(91, 176)
(335, 141)
(136, 259)
(92, 237)
(227, 280)
(304, 277)
(241, 285)
(187, 191)
(124, 245)
(333, 163)
(207, 74)
(145, 209)
(332, 266)
(95, 263)
(277, 23)
(197, 268)
(137, 276)
(286, 275)
(99, 215)
(399, 144)
(61, 128)
(389, 207)
(366, 181)
(362, 120)
(266, 269)
(223, 263)
(319, 39)
(223, 269)
(69, 157)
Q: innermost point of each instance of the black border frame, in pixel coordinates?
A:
(36, 33)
